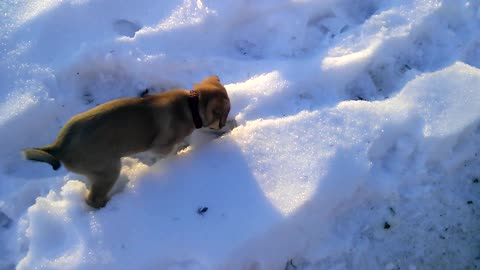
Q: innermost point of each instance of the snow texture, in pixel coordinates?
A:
(356, 148)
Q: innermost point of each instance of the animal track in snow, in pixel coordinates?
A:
(125, 27)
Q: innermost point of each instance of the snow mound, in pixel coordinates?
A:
(348, 158)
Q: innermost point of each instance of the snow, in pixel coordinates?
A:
(356, 147)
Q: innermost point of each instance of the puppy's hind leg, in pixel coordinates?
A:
(102, 181)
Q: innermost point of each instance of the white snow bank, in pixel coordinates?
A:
(360, 153)
(265, 207)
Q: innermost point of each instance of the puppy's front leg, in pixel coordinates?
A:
(162, 146)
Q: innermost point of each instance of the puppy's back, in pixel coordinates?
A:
(117, 127)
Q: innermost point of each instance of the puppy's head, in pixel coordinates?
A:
(214, 102)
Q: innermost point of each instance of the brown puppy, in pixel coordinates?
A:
(92, 143)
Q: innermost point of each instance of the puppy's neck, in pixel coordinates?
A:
(193, 102)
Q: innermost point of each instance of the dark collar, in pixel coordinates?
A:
(193, 104)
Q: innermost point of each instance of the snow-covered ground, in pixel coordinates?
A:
(356, 148)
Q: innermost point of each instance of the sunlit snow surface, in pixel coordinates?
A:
(356, 148)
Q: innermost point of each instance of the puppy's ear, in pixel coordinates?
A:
(224, 114)
(217, 112)
(211, 79)
(212, 82)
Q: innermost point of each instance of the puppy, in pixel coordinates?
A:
(92, 143)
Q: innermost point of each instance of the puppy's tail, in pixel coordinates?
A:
(42, 155)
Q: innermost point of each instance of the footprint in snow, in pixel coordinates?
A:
(125, 27)
(5, 221)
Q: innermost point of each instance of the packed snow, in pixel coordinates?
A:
(356, 146)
